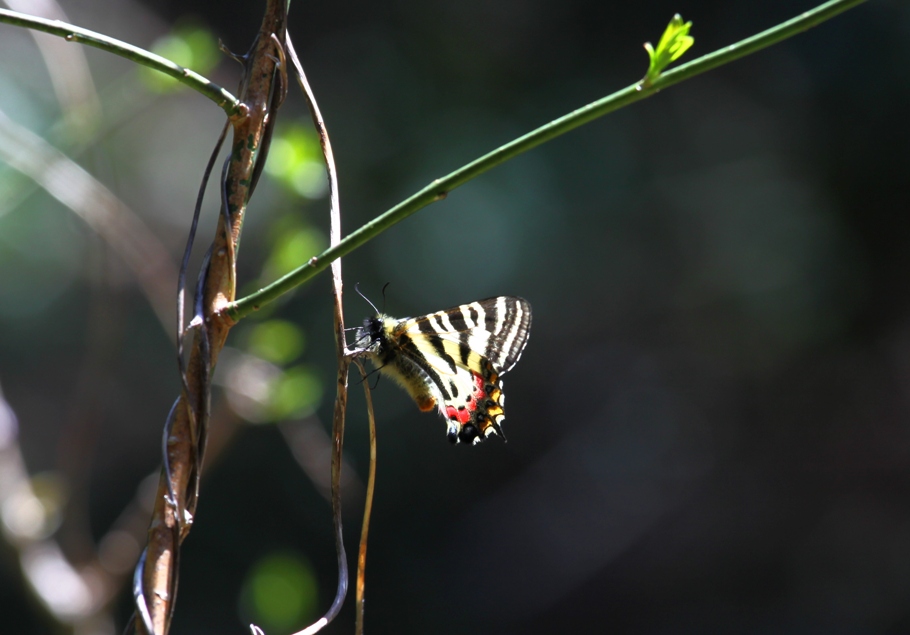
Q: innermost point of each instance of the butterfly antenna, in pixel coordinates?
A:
(357, 289)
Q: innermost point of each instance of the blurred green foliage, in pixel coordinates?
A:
(296, 393)
(47, 260)
(294, 242)
(295, 160)
(190, 45)
(277, 341)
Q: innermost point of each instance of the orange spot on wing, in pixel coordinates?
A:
(425, 403)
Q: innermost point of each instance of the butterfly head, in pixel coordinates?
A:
(369, 337)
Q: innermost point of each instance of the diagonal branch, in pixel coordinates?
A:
(440, 188)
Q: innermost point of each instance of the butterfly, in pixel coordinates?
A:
(453, 359)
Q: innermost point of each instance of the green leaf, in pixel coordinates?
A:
(673, 43)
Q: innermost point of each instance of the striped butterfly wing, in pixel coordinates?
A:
(464, 351)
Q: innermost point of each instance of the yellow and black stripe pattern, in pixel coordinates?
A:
(453, 359)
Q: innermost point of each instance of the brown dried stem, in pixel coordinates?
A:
(341, 398)
(175, 504)
(360, 584)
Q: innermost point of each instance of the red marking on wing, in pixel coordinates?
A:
(478, 387)
(463, 415)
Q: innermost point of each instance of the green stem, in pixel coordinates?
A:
(441, 187)
(225, 100)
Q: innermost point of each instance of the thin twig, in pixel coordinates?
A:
(439, 189)
(341, 398)
(71, 33)
(188, 250)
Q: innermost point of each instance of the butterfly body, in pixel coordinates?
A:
(453, 359)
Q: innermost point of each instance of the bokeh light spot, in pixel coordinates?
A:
(280, 592)
(277, 341)
(296, 393)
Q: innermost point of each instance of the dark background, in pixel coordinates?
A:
(708, 431)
